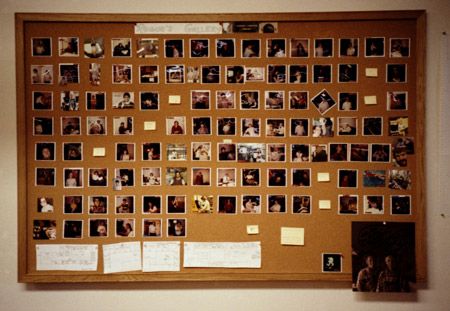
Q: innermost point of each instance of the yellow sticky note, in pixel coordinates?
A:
(99, 152)
(372, 72)
(292, 236)
(149, 125)
(252, 229)
(174, 99)
(370, 100)
(227, 141)
(324, 204)
(323, 177)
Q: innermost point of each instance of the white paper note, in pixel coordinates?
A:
(323, 177)
(370, 100)
(324, 204)
(122, 257)
(174, 99)
(222, 254)
(161, 256)
(252, 229)
(292, 236)
(71, 257)
(149, 125)
(372, 72)
(99, 152)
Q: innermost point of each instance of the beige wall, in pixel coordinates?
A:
(230, 296)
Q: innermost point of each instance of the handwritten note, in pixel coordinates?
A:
(324, 204)
(222, 255)
(149, 125)
(292, 236)
(252, 229)
(161, 256)
(122, 257)
(71, 257)
(370, 100)
(174, 99)
(323, 177)
(99, 152)
(372, 72)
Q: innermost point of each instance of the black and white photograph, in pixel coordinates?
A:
(201, 151)
(123, 125)
(151, 176)
(276, 48)
(347, 126)
(250, 127)
(251, 152)
(125, 227)
(348, 47)
(122, 74)
(176, 176)
(45, 205)
(254, 74)
(94, 47)
(226, 177)
(41, 47)
(348, 101)
(399, 179)
(68, 46)
(121, 47)
(70, 100)
(96, 125)
(176, 152)
(332, 262)
(276, 177)
(123, 100)
(348, 73)
(319, 153)
(373, 204)
(322, 127)
(275, 127)
(41, 74)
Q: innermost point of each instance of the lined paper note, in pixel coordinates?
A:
(292, 236)
(71, 257)
(122, 257)
(161, 256)
(324, 204)
(222, 255)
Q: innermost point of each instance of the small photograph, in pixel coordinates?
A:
(226, 126)
(383, 256)
(348, 73)
(45, 151)
(122, 74)
(44, 229)
(347, 126)
(176, 204)
(322, 74)
(347, 178)
(72, 151)
(125, 151)
(174, 48)
(193, 74)
(319, 153)
(323, 101)
(397, 101)
(148, 74)
(400, 205)
(275, 127)
(250, 177)
(98, 204)
(380, 152)
(225, 99)
(250, 127)
(70, 100)
(73, 229)
(227, 152)
(251, 204)
(276, 73)
(399, 179)
(338, 152)
(124, 204)
(374, 178)
(225, 48)
(374, 47)
(300, 153)
(372, 126)
(98, 227)
(96, 125)
(235, 74)
(202, 204)
(276, 177)
(200, 100)
(276, 203)
(348, 101)
(95, 100)
(94, 73)
(398, 126)
(125, 227)
(373, 204)
(147, 48)
(149, 100)
(98, 177)
(348, 204)
(299, 47)
(251, 152)
(227, 204)
(322, 127)
(396, 73)
(126, 176)
(151, 176)
(73, 178)
(210, 74)
(298, 100)
(176, 227)
(41, 46)
(323, 47)
(276, 47)
(226, 177)
(251, 48)
(348, 47)
(176, 152)
(73, 204)
(399, 47)
(69, 74)
(42, 100)
(301, 177)
(299, 127)
(254, 74)
(201, 176)
(123, 125)
(94, 47)
(201, 151)
(201, 126)
(274, 100)
(41, 74)
(404, 142)
(45, 205)
(151, 204)
(152, 227)
(175, 74)
(359, 152)
(400, 155)
(68, 46)
(331, 262)
(249, 100)
(276, 152)
(176, 176)
(301, 204)
(123, 100)
(199, 47)
(117, 184)
(298, 73)
(121, 47)
(151, 151)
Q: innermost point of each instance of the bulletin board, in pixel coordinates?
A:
(219, 128)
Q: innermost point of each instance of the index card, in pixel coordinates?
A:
(70, 257)
(323, 177)
(324, 204)
(122, 257)
(372, 72)
(99, 152)
(227, 141)
(149, 125)
(161, 256)
(222, 255)
(370, 100)
(292, 236)
(174, 99)
(252, 229)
